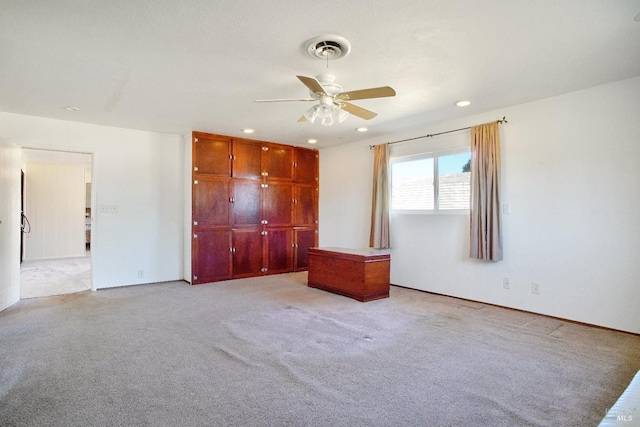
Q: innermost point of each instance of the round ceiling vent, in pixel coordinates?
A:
(328, 47)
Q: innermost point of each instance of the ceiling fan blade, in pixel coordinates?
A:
(363, 113)
(284, 100)
(375, 92)
(313, 85)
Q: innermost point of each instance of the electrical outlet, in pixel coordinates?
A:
(505, 283)
(140, 273)
(535, 288)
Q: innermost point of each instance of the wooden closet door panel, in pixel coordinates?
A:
(306, 165)
(247, 159)
(211, 256)
(211, 154)
(279, 250)
(278, 203)
(247, 252)
(211, 201)
(247, 203)
(304, 238)
(304, 206)
(278, 162)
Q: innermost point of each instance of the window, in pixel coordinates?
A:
(431, 182)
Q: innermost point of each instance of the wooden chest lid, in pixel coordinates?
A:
(362, 255)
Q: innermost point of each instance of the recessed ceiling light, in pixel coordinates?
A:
(363, 129)
(72, 108)
(463, 103)
(312, 141)
(248, 130)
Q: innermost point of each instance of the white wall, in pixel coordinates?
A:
(572, 178)
(9, 223)
(138, 173)
(55, 204)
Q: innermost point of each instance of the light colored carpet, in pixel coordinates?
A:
(272, 352)
(43, 278)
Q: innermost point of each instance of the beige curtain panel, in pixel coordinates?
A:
(486, 219)
(380, 236)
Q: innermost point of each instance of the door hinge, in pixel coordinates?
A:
(195, 169)
(195, 139)
(195, 236)
(195, 277)
(195, 222)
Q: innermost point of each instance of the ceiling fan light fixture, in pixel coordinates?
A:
(463, 103)
(312, 113)
(324, 111)
(342, 115)
(327, 121)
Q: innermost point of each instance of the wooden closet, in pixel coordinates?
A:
(255, 207)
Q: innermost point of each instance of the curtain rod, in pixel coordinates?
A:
(501, 121)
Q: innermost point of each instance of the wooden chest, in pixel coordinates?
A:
(362, 274)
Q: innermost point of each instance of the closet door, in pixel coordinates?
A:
(277, 162)
(247, 159)
(211, 154)
(211, 259)
(304, 238)
(306, 165)
(304, 204)
(278, 203)
(247, 252)
(246, 203)
(211, 201)
(279, 250)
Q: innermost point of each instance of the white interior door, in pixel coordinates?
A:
(9, 224)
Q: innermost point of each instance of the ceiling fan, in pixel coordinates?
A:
(332, 100)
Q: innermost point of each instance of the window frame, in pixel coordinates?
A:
(436, 182)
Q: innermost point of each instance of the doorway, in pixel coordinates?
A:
(56, 249)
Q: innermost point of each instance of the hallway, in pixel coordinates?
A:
(55, 277)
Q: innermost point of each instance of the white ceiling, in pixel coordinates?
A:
(175, 66)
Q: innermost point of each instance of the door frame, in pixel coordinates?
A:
(93, 193)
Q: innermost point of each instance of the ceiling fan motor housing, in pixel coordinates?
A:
(327, 83)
